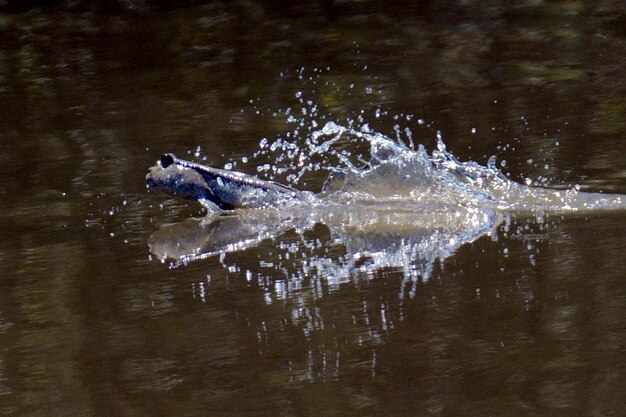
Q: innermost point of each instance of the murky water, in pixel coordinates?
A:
(367, 312)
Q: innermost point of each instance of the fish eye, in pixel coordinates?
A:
(167, 159)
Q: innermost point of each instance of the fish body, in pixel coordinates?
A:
(412, 179)
(220, 188)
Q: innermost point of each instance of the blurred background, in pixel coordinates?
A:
(526, 323)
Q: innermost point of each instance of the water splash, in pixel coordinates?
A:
(400, 207)
(396, 172)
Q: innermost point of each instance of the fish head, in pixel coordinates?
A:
(175, 179)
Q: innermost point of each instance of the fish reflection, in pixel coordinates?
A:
(372, 237)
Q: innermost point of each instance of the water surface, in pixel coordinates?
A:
(523, 320)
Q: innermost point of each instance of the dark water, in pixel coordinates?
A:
(527, 322)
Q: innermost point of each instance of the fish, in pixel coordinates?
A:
(431, 182)
(214, 188)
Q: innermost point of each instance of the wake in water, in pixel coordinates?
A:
(397, 173)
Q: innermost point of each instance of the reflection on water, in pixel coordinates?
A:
(527, 321)
(388, 236)
(487, 315)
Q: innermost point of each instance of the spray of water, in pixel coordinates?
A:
(387, 202)
(395, 172)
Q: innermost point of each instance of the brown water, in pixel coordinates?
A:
(528, 322)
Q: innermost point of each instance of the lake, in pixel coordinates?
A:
(523, 318)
